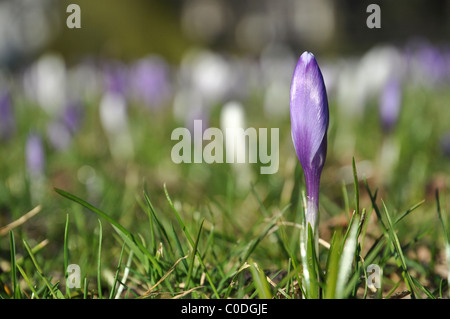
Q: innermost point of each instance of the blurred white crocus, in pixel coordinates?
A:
(188, 106)
(45, 83)
(359, 81)
(114, 120)
(276, 67)
(232, 122)
(208, 73)
(84, 80)
(364, 78)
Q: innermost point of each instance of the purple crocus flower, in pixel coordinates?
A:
(34, 155)
(150, 81)
(390, 104)
(309, 125)
(61, 131)
(7, 123)
(115, 77)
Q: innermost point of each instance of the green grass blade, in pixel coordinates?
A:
(27, 280)
(346, 260)
(85, 290)
(99, 260)
(312, 264)
(152, 217)
(15, 286)
(194, 252)
(66, 253)
(148, 209)
(373, 198)
(444, 226)
(95, 210)
(347, 232)
(254, 243)
(180, 248)
(332, 267)
(260, 283)
(291, 254)
(179, 219)
(189, 238)
(422, 288)
(408, 211)
(116, 277)
(122, 231)
(397, 248)
(266, 214)
(356, 181)
(345, 197)
(393, 289)
(56, 294)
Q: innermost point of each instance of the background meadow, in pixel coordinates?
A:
(90, 112)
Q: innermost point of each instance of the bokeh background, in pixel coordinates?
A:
(91, 110)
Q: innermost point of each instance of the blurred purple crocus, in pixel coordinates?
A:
(34, 155)
(72, 116)
(309, 125)
(115, 77)
(390, 104)
(150, 81)
(61, 131)
(7, 122)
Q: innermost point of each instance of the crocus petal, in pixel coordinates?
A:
(309, 114)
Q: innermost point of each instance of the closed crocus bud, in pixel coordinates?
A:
(309, 125)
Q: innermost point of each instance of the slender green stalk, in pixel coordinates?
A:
(27, 280)
(446, 238)
(116, 277)
(66, 252)
(194, 252)
(356, 181)
(397, 247)
(260, 282)
(15, 286)
(99, 260)
(189, 238)
(39, 271)
(346, 260)
(134, 244)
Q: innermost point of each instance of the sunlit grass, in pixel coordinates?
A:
(149, 228)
